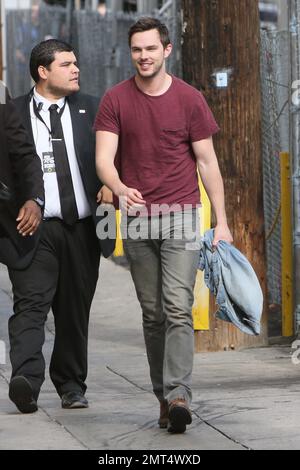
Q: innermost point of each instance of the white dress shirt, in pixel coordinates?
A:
(45, 151)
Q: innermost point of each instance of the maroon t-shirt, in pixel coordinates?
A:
(155, 135)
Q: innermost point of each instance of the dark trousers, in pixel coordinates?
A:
(63, 275)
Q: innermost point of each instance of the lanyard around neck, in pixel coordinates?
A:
(37, 113)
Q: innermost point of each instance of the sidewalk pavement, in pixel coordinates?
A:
(246, 399)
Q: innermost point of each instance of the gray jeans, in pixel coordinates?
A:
(164, 269)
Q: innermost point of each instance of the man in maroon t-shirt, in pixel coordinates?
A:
(153, 131)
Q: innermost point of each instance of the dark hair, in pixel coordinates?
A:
(146, 24)
(43, 54)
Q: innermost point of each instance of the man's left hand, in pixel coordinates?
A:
(29, 218)
(222, 232)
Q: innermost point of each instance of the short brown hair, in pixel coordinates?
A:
(146, 24)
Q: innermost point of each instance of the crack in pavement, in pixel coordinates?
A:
(194, 412)
(221, 432)
(130, 434)
(3, 377)
(54, 420)
(128, 380)
(123, 436)
(7, 293)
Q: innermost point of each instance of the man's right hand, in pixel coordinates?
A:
(29, 218)
(130, 198)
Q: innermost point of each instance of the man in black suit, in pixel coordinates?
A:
(20, 172)
(64, 271)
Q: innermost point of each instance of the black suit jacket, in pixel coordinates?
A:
(84, 143)
(20, 170)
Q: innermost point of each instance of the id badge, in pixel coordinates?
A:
(48, 162)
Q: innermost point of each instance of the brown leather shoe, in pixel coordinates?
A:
(163, 420)
(179, 416)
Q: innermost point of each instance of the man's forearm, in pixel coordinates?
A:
(110, 177)
(213, 184)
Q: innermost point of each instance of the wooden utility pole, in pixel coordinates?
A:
(221, 58)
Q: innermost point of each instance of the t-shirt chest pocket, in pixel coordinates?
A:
(171, 138)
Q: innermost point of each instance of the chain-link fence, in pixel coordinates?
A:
(100, 43)
(24, 29)
(275, 87)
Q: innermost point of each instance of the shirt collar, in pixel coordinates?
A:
(46, 103)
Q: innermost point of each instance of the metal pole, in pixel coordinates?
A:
(283, 20)
(3, 37)
(166, 6)
(69, 14)
(146, 6)
(114, 5)
(294, 139)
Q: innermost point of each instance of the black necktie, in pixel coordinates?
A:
(63, 172)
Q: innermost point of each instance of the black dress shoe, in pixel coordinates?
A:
(21, 393)
(71, 400)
